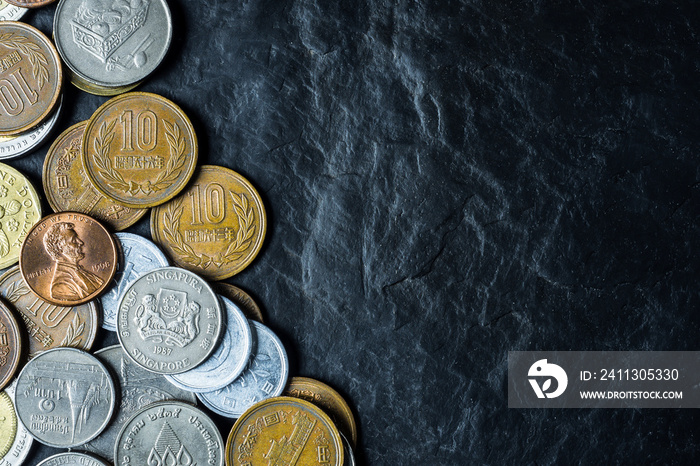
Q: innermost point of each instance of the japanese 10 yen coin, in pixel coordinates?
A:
(11, 345)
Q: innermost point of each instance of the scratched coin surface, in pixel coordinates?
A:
(169, 433)
(22, 442)
(216, 227)
(169, 320)
(8, 423)
(68, 189)
(9, 12)
(284, 430)
(68, 258)
(24, 143)
(138, 388)
(65, 397)
(242, 299)
(72, 459)
(11, 344)
(229, 359)
(30, 77)
(264, 377)
(47, 325)
(139, 149)
(137, 256)
(20, 209)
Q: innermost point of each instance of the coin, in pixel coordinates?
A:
(15, 146)
(169, 433)
(264, 377)
(20, 209)
(347, 449)
(65, 397)
(31, 77)
(91, 88)
(139, 149)
(72, 459)
(10, 12)
(23, 441)
(68, 258)
(138, 256)
(284, 430)
(30, 3)
(242, 299)
(227, 362)
(8, 423)
(138, 388)
(169, 321)
(49, 326)
(216, 227)
(67, 188)
(10, 345)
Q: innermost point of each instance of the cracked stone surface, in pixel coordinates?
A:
(445, 182)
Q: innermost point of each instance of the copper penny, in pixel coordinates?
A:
(47, 325)
(10, 345)
(30, 3)
(30, 77)
(216, 227)
(68, 258)
(67, 188)
(139, 149)
(242, 299)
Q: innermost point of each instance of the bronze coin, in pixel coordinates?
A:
(242, 299)
(49, 326)
(30, 77)
(96, 89)
(139, 149)
(68, 258)
(30, 3)
(10, 345)
(67, 188)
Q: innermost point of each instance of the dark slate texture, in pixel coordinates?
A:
(447, 181)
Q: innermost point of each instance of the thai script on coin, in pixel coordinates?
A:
(22, 442)
(16, 146)
(20, 209)
(9, 12)
(11, 345)
(72, 459)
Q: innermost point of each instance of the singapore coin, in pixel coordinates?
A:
(242, 299)
(20, 209)
(9, 12)
(11, 345)
(8, 423)
(22, 442)
(72, 459)
(24, 143)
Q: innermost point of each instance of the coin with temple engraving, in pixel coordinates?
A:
(8, 423)
(22, 442)
(242, 299)
(9, 12)
(72, 459)
(284, 430)
(20, 209)
(65, 397)
(169, 321)
(169, 433)
(139, 149)
(68, 189)
(216, 227)
(11, 345)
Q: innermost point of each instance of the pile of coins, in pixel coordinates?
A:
(184, 336)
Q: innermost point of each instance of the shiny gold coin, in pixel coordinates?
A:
(8, 423)
(328, 400)
(139, 149)
(10, 345)
(20, 209)
(250, 308)
(284, 430)
(215, 228)
(67, 188)
(31, 77)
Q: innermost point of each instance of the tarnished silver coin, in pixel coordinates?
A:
(137, 256)
(169, 320)
(9, 12)
(112, 44)
(169, 433)
(264, 377)
(72, 459)
(229, 359)
(23, 441)
(17, 146)
(138, 388)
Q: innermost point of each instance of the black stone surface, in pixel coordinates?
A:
(447, 181)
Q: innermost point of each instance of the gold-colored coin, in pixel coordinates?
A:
(67, 188)
(11, 345)
(328, 400)
(30, 80)
(20, 209)
(284, 430)
(92, 88)
(250, 308)
(8, 423)
(139, 149)
(216, 227)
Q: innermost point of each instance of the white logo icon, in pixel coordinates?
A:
(543, 369)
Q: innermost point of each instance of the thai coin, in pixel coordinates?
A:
(139, 149)
(31, 77)
(347, 449)
(9, 12)
(264, 377)
(242, 299)
(138, 388)
(72, 459)
(49, 326)
(169, 321)
(112, 46)
(67, 189)
(65, 397)
(284, 431)
(23, 441)
(169, 433)
(216, 227)
(68, 258)
(10, 345)
(227, 362)
(16, 146)
(20, 209)
(8, 423)
(138, 256)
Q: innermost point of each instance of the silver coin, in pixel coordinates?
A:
(169, 320)
(16, 146)
(23, 441)
(72, 459)
(112, 45)
(11, 13)
(264, 377)
(169, 433)
(349, 455)
(229, 359)
(137, 256)
(65, 397)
